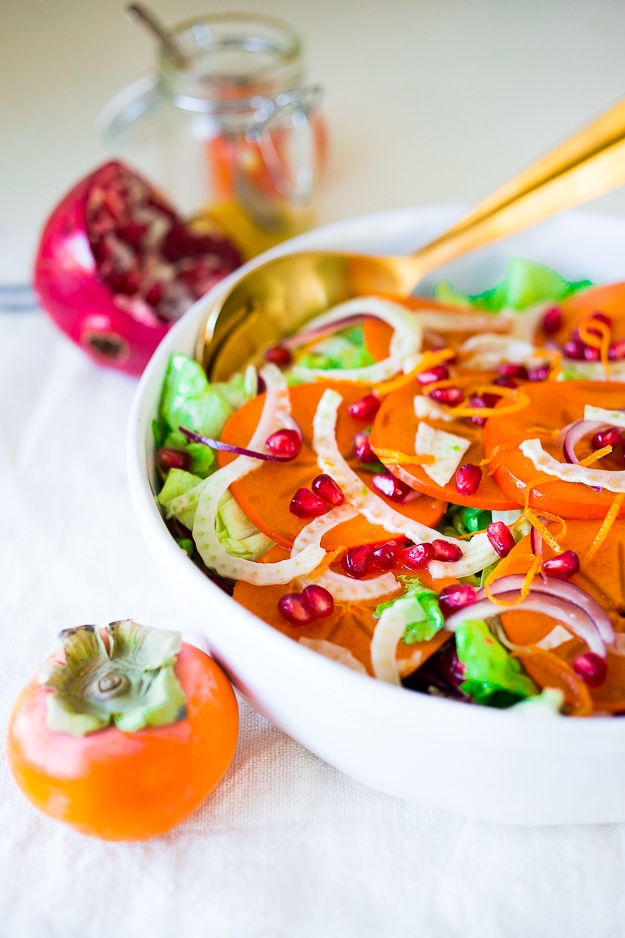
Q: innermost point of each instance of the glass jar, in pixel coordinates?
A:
(230, 133)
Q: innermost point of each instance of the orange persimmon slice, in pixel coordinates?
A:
(265, 494)
(395, 428)
(553, 405)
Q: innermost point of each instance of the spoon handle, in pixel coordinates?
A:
(584, 167)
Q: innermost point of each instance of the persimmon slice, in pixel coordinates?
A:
(265, 494)
(395, 428)
(351, 624)
(553, 405)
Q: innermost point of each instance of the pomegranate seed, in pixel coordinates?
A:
(451, 395)
(364, 409)
(417, 556)
(362, 448)
(384, 556)
(284, 442)
(505, 381)
(326, 488)
(500, 536)
(394, 489)
(552, 320)
(483, 400)
(436, 373)
(591, 668)
(512, 370)
(468, 478)
(446, 552)
(573, 348)
(456, 597)
(357, 561)
(305, 504)
(612, 436)
(563, 566)
(616, 352)
(541, 373)
(278, 355)
(591, 354)
(296, 608)
(154, 294)
(320, 600)
(167, 459)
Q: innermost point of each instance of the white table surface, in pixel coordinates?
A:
(427, 102)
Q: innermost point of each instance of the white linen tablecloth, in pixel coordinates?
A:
(286, 846)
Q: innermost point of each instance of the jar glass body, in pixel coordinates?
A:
(230, 132)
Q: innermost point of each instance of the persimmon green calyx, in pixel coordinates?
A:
(123, 677)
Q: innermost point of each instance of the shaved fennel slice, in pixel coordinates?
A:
(343, 588)
(477, 554)
(386, 637)
(612, 480)
(334, 652)
(212, 489)
(613, 418)
(404, 349)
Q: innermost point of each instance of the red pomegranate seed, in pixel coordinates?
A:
(392, 488)
(468, 478)
(320, 600)
(167, 459)
(513, 370)
(612, 436)
(418, 556)
(541, 373)
(326, 488)
(574, 349)
(616, 352)
(278, 355)
(591, 668)
(505, 381)
(284, 442)
(500, 536)
(600, 317)
(384, 556)
(296, 608)
(305, 504)
(447, 552)
(357, 561)
(362, 448)
(552, 320)
(364, 409)
(591, 354)
(563, 566)
(436, 373)
(452, 598)
(452, 395)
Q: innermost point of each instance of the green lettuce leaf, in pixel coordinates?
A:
(492, 676)
(525, 283)
(419, 606)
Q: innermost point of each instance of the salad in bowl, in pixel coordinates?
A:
(400, 528)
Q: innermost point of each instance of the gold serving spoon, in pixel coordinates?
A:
(278, 296)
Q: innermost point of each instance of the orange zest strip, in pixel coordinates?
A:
(518, 399)
(601, 342)
(544, 532)
(604, 530)
(428, 360)
(393, 457)
(323, 565)
(598, 453)
(527, 582)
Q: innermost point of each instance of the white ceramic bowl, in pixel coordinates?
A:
(489, 764)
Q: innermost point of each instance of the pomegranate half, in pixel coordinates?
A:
(116, 266)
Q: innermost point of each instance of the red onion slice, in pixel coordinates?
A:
(575, 618)
(560, 589)
(320, 332)
(574, 432)
(239, 450)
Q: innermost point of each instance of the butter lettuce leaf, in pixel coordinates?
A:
(492, 676)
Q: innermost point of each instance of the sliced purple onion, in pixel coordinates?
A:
(231, 448)
(320, 332)
(576, 431)
(552, 586)
(574, 617)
